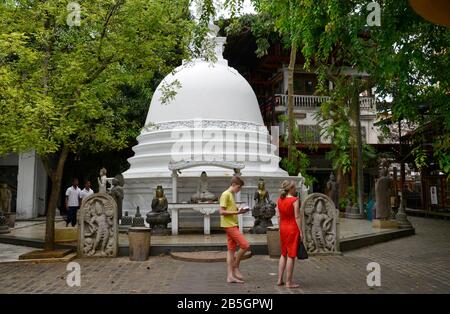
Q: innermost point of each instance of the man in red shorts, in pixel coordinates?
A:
(229, 221)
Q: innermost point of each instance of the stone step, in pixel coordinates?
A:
(204, 256)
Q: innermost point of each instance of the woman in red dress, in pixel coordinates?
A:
(290, 231)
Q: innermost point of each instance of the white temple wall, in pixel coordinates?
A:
(31, 186)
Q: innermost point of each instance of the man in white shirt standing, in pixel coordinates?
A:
(87, 190)
(73, 197)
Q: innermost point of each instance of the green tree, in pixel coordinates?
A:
(60, 84)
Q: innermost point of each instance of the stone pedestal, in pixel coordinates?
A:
(10, 219)
(69, 234)
(4, 228)
(352, 212)
(402, 220)
(139, 241)
(158, 222)
(273, 242)
(384, 224)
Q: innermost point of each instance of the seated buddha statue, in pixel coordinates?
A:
(263, 210)
(159, 217)
(203, 195)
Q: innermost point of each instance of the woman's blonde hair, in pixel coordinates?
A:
(285, 187)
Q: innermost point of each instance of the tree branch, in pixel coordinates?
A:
(113, 10)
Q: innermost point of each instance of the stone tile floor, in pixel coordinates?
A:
(415, 264)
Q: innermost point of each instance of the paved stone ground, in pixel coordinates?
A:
(416, 264)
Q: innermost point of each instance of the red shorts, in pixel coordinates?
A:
(235, 237)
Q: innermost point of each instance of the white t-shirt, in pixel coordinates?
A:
(74, 195)
(85, 193)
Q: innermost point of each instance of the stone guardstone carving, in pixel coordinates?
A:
(263, 210)
(319, 224)
(98, 227)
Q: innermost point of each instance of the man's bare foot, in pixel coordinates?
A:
(237, 273)
(234, 280)
(292, 285)
(280, 283)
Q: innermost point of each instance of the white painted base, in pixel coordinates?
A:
(140, 192)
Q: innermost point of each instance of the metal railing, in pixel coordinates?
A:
(312, 102)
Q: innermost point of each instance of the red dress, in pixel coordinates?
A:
(289, 232)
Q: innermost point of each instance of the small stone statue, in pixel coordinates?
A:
(263, 210)
(203, 195)
(333, 190)
(117, 193)
(5, 198)
(302, 187)
(382, 195)
(138, 220)
(126, 220)
(159, 217)
(102, 181)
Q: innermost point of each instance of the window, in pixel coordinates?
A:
(309, 86)
(309, 133)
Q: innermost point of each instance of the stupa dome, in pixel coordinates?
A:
(204, 111)
(205, 90)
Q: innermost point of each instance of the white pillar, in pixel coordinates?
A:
(174, 186)
(31, 186)
(174, 221)
(206, 224)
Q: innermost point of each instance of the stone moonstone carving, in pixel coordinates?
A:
(98, 227)
(319, 224)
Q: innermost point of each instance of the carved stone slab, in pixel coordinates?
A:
(98, 227)
(319, 224)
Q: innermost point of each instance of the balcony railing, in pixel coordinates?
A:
(312, 102)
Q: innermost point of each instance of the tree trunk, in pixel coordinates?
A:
(291, 101)
(359, 162)
(342, 183)
(56, 177)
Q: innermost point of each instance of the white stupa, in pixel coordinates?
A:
(213, 115)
